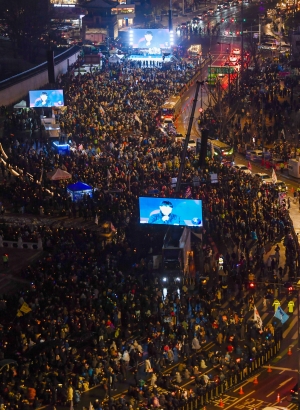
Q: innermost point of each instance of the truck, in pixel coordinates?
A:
(294, 167)
(176, 249)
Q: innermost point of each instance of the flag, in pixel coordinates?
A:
(230, 152)
(188, 192)
(25, 308)
(257, 318)
(212, 151)
(274, 177)
(108, 174)
(249, 166)
(281, 315)
(19, 313)
(137, 118)
(112, 227)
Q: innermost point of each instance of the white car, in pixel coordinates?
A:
(236, 51)
(243, 168)
(281, 186)
(192, 144)
(265, 178)
(167, 122)
(233, 59)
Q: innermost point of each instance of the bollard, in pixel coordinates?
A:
(269, 354)
(252, 366)
(201, 400)
(211, 396)
(222, 388)
(259, 362)
(241, 376)
(262, 360)
(206, 397)
(217, 391)
(235, 379)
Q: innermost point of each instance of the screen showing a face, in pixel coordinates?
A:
(155, 38)
(46, 98)
(171, 211)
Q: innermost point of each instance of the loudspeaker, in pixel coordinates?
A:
(170, 21)
(50, 64)
(203, 150)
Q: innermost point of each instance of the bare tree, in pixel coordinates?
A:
(27, 21)
(251, 44)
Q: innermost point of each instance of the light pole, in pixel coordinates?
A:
(298, 346)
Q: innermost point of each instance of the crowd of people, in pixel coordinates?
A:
(93, 314)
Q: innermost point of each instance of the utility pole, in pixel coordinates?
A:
(242, 38)
(187, 138)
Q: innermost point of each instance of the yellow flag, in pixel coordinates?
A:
(25, 308)
(19, 313)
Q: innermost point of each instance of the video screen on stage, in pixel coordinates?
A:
(171, 211)
(151, 39)
(46, 98)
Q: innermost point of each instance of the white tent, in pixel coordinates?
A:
(58, 175)
(21, 104)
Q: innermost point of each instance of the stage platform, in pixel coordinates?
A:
(158, 58)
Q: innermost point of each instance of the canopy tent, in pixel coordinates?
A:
(21, 104)
(76, 191)
(58, 175)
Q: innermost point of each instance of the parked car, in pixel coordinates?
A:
(243, 168)
(265, 178)
(281, 186)
(257, 155)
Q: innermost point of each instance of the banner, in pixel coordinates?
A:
(257, 318)
(281, 315)
(274, 176)
(25, 308)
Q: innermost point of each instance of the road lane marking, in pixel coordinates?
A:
(286, 381)
(285, 369)
(291, 325)
(242, 398)
(270, 394)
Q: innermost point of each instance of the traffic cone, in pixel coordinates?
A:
(221, 404)
(269, 369)
(241, 390)
(255, 381)
(278, 398)
(290, 351)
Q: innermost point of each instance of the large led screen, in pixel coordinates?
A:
(46, 98)
(153, 39)
(171, 211)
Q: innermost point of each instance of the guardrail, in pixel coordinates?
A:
(19, 244)
(213, 392)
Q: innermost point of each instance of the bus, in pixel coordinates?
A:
(217, 72)
(223, 152)
(171, 107)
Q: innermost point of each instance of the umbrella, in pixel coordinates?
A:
(58, 175)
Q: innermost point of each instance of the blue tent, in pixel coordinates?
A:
(76, 191)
